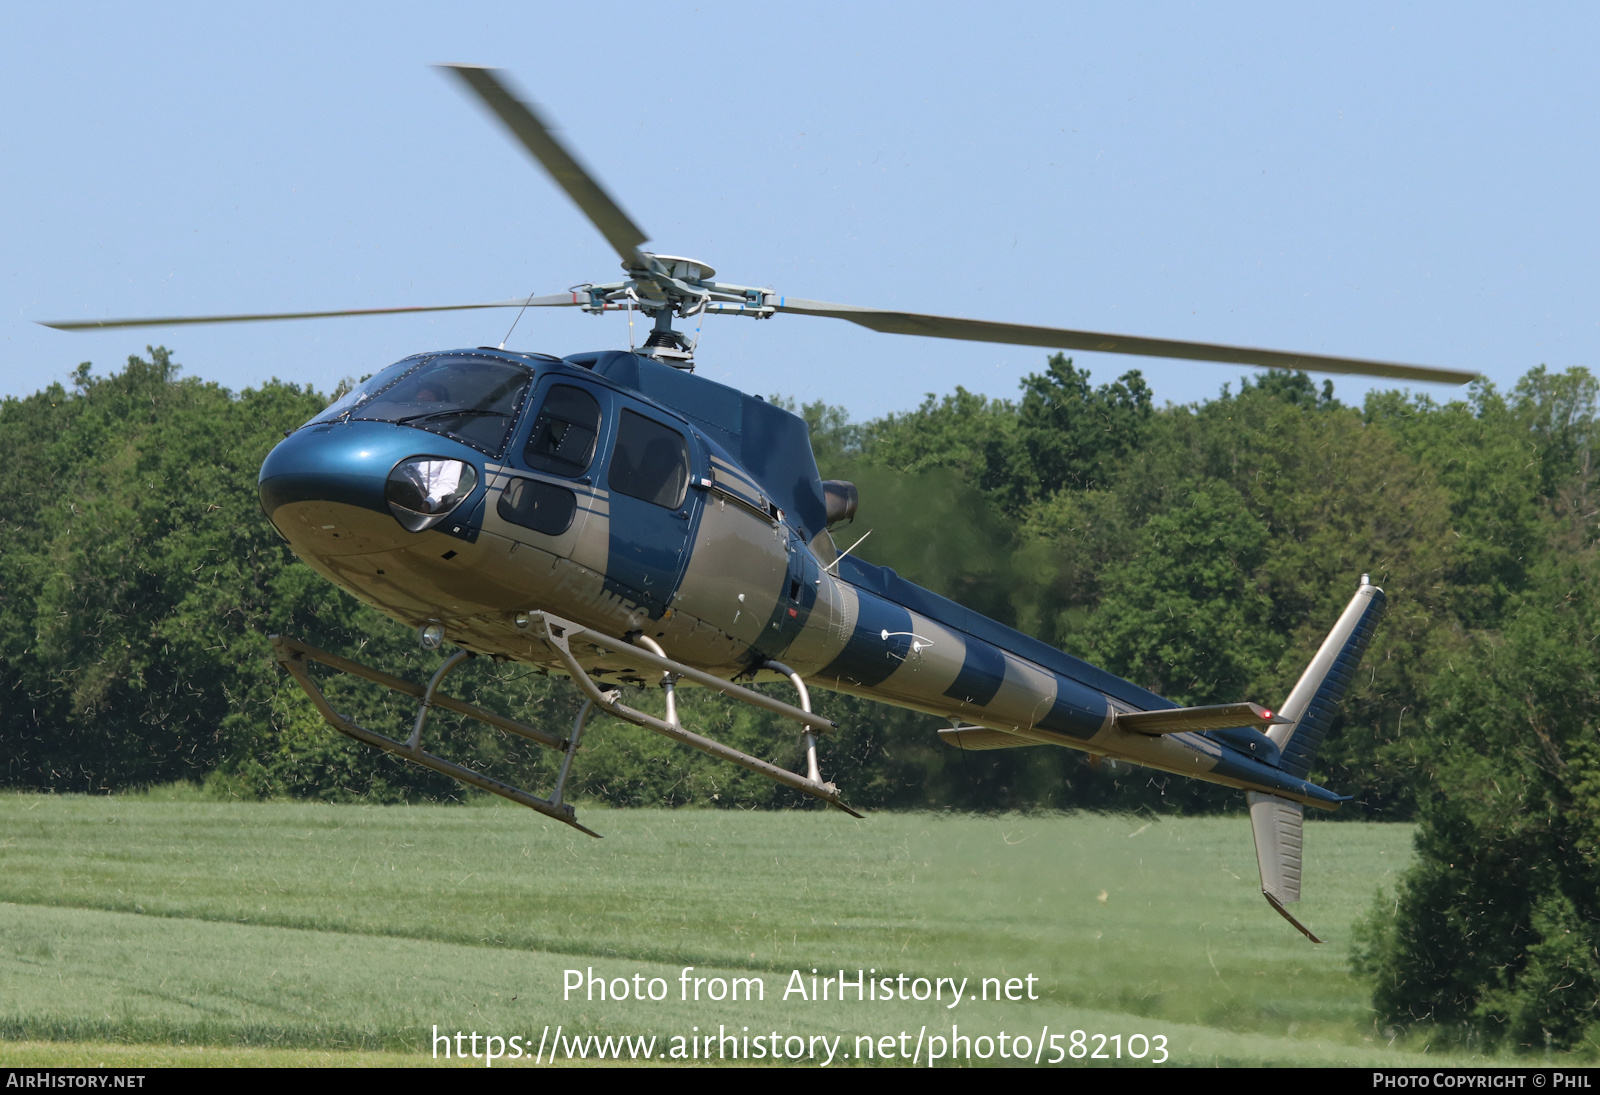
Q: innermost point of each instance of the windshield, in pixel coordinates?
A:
(361, 391)
(472, 399)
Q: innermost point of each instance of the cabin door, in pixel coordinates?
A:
(652, 509)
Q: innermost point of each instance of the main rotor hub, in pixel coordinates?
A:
(679, 267)
(662, 287)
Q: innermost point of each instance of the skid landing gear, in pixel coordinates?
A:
(296, 656)
(559, 635)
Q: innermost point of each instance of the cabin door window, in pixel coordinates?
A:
(650, 461)
(652, 512)
(564, 432)
(561, 442)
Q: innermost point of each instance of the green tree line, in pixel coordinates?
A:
(1201, 550)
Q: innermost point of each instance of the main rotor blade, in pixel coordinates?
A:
(555, 300)
(978, 330)
(538, 138)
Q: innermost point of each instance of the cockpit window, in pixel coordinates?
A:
(650, 461)
(562, 441)
(471, 399)
(363, 391)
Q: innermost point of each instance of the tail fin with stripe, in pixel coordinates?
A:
(1307, 714)
(1309, 710)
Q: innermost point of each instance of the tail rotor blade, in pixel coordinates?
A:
(538, 138)
(977, 330)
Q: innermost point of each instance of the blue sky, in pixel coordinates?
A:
(1409, 182)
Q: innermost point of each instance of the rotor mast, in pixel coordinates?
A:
(664, 287)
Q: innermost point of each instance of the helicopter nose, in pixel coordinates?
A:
(335, 464)
(323, 487)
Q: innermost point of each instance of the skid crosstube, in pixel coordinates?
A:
(295, 657)
(560, 634)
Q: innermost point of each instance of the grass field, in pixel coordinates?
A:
(173, 929)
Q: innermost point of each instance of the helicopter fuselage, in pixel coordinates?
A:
(469, 488)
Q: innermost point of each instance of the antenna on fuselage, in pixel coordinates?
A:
(847, 551)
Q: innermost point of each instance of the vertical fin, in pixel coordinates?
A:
(1311, 706)
(1277, 825)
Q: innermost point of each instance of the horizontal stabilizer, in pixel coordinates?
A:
(981, 737)
(1179, 720)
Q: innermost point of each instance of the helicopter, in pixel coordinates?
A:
(617, 518)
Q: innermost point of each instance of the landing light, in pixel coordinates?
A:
(422, 490)
(430, 636)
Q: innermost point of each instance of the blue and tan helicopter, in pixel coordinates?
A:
(614, 517)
